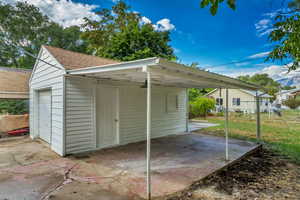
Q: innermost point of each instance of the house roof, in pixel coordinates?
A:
(14, 83)
(288, 91)
(74, 60)
(251, 92)
(260, 93)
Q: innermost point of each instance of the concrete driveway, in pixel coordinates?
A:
(29, 170)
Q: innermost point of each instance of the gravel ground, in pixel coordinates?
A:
(261, 176)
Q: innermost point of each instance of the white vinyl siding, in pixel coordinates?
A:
(239, 100)
(80, 116)
(133, 113)
(46, 76)
(80, 135)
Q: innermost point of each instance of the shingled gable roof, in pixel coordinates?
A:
(14, 83)
(73, 60)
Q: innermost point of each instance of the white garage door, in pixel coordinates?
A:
(44, 119)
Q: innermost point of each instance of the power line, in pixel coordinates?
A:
(32, 55)
(235, 62)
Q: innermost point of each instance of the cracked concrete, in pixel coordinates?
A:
(30, 170)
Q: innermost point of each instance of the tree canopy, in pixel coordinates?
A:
(268, 84)
(285, 34)
(120, 34)
(214, 5)
(24, 27)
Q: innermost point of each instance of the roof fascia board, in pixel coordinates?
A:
(115, 67)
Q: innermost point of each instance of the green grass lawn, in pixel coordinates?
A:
(281, 134)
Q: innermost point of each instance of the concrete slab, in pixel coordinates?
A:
(195, 125)
(29, 170)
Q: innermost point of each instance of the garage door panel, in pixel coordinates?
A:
(44, 119)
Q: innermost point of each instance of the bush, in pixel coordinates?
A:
(14, 107)
(220, 114)
(292, 103)
(201, 107)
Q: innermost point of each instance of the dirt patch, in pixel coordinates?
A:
(264, 175)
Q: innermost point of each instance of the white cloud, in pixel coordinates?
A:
(242, 64)
(68, 13)
(164, 25)
(264, 27)
(276, 72)
(145, 20)
(176, 50)
(64, 12)
(241, 73)
(259, 55)
(280, 71)
(161, 25)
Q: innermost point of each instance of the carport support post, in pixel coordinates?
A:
(258, 131)
(226, 126)
(148, 134)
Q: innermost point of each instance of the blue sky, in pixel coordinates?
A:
(196, 35)
(211, 40)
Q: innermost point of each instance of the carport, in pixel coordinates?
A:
(159, 72)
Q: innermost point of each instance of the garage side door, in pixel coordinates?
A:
(44, 118)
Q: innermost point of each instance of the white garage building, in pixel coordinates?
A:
(82, 103)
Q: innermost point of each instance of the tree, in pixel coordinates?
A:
(23, 27)
(268, 84)
(201, 107)
(286, 36)
(285, 32)
(195, 93)
(215, 5)
(287, 87)
(14, 107)
(120, 34)
(292, 103)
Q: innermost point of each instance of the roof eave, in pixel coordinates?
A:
(222, 78)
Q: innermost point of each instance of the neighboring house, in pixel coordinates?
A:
(240, 100)
(14, 83)
(82, 103)
(284, 95)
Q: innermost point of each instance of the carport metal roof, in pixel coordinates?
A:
(163, 72)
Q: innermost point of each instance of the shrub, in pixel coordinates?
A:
(220, 114)
(292, 103)
(14, 107)
(201, 107)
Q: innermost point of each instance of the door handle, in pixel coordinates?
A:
(116, 120)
